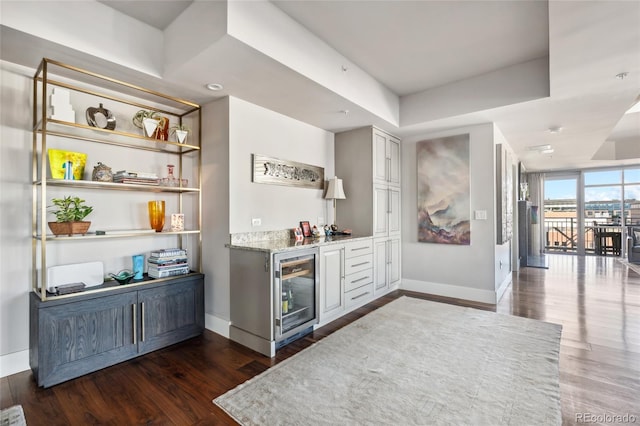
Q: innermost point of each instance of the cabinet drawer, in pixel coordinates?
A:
(358, 248)
(359, 295)
(357, 264)
(358, 279)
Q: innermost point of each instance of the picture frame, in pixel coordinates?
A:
(306, 228)
(297, 233)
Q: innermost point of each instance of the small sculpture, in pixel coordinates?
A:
(102, 173)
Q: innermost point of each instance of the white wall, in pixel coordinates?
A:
(15, 216)
(256, 130)
(233, 130)
(215, 214)
(467, 272)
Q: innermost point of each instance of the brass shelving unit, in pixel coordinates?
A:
(51, 73)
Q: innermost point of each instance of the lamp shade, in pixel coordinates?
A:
(335, 190)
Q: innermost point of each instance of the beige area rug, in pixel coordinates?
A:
(12, 416)
(413, 362)
(633, 266)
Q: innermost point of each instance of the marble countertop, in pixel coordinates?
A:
(275, 246)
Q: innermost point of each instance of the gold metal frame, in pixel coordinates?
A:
(175, 107)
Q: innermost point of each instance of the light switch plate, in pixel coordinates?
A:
(256, 221)
(481, 214)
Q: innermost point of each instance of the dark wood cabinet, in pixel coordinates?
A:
(77, 335)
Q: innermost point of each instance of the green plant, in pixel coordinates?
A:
(142, 114)
(180, 127)
(70, 209)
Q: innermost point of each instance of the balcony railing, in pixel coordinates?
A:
(562, 236)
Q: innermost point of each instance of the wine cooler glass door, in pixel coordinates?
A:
(296, 280)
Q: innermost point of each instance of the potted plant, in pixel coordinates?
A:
(70, 212)
(181, 131)
(148, 121)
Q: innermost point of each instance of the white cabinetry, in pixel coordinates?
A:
(368, 162)
(346, 277)
(331, 281)
(386, 269)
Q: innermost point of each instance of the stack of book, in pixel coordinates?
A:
(167, 263)
(139, 178)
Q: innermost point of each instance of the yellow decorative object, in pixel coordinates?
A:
(66, 164)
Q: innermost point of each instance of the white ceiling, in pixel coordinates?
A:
(419, 50)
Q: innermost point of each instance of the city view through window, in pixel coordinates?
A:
(609, 202)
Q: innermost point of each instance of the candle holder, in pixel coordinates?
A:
(156, 215)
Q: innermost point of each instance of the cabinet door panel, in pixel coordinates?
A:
(394, 211)
(394, 155)
(380, 213)
(331, 272)
(80, 337)
(394, 262)
(170, 314)
(380, 265)
(380, 162)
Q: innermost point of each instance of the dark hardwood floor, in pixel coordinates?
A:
(597, 300)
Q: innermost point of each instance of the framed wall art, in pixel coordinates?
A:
(444, 214)
(283, 172)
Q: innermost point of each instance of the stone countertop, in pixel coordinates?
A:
(275, 246)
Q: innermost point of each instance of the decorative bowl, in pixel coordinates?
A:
(123, 277)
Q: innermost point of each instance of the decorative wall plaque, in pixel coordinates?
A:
(282, 172)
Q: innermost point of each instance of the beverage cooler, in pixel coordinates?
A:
(274, 297)
(296, 293)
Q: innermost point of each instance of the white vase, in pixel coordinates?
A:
(181, 135)
(149, 126)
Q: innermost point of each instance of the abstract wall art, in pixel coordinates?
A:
(444, 214)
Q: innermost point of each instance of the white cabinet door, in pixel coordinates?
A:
(379, 266)
(380, 211)
(331, 281)
(393, 221)
(393, 154)
(394, 261)
(380, 159)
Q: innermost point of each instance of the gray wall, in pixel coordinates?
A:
(468, 272)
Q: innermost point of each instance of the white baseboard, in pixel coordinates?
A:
(13, 363)
(503, 287)
(448, 290)
(217, 325)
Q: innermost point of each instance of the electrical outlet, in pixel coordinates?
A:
(321, 220)
(256, 221)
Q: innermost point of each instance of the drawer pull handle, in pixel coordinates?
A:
(142, 316)
(359, 264)
(360, 295)
(360, 279)
(135, 323)
(360, 248)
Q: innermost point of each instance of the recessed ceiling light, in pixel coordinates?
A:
(542, 149)
(538, 147)
(622, 75)
(215, 86)
(555, 129)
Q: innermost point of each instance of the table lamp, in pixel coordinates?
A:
(335, 192)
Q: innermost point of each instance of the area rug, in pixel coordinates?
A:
(12, 416)
(413, 362)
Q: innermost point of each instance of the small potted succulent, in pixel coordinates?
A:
(70, 212)
(181, 131)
